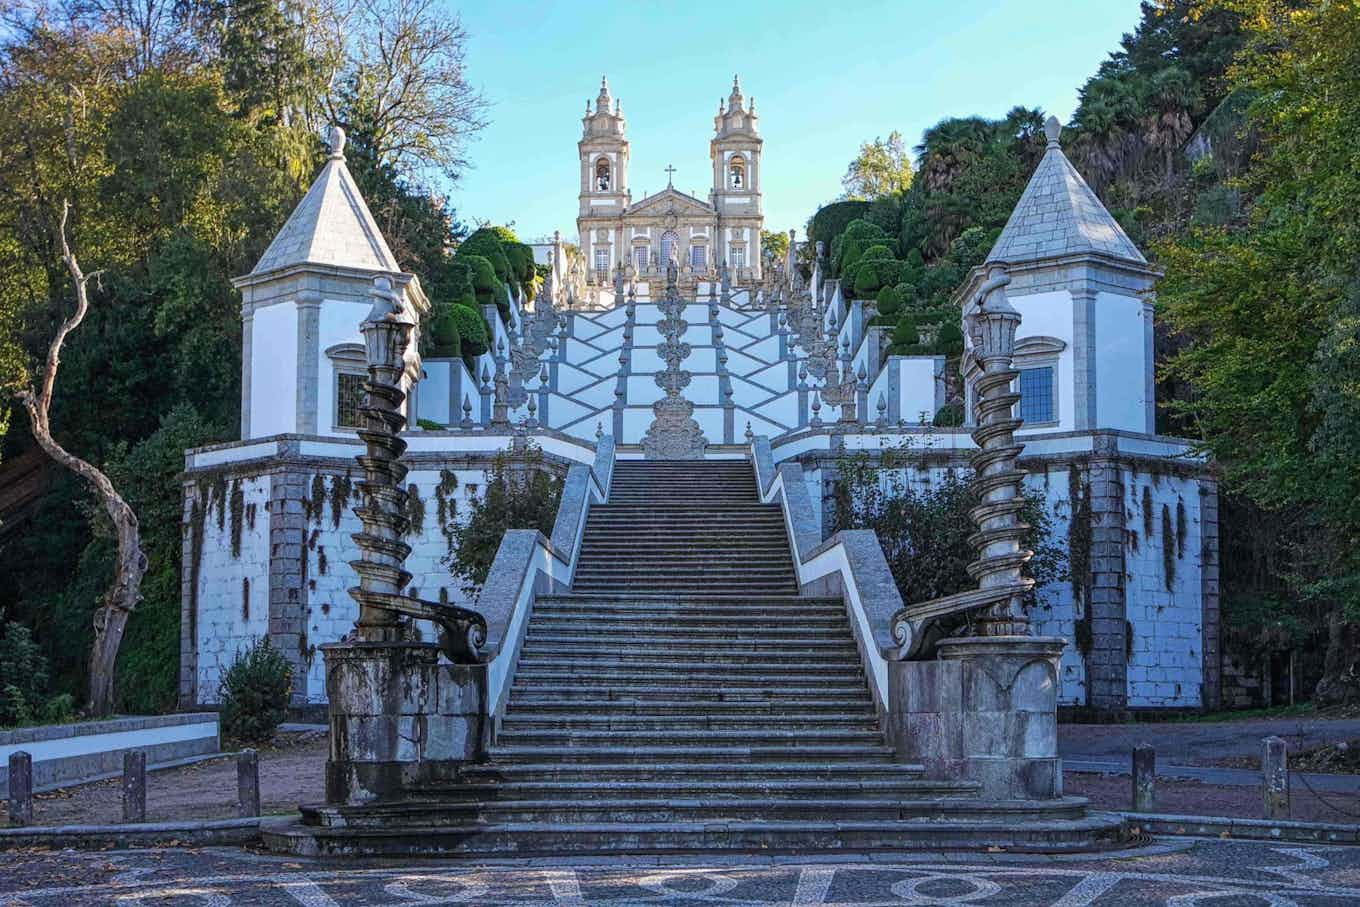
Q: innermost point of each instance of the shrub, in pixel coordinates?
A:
(445, 342)
(520, 494)
(487, 243)
(831, 220)
(23, 676)
(873, 274)
(254, 693)
(473, 335)
(852, 245)
(924, 529)
(889, 303)
(948, 416)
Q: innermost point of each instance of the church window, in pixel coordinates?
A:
(668, 243)
(738, 256)
(737, 173)
(1036, 395)
(640, 258)
(698, 256)
(602, 180)
(349, 396)
(601, 265)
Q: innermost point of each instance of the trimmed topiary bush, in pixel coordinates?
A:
(831, 220)
(254, 693)
(873, 274)
(445, 342)
(486, 243)
(473, 335)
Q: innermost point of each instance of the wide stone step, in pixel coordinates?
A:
(637, 547)
(635, 622)
(447, 812)
(651, 690)
(870, 787)
(678, 657)
(517, 720)
(748, 675)
(1095, 831)
(733, 752)
(703, 774)
(852, 707)
(615, 642)
(672, 585)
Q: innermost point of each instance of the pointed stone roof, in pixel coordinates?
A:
(1059, 215)
(331, 225)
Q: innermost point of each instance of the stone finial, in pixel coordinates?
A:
(599, 431)
(336, 140)
(1052, 129)
(750, 435)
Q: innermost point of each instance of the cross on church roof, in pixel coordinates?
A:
(670, 176)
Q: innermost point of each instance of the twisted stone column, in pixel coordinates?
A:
(382, 553)
(992, 322)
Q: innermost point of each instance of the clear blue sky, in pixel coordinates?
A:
(826, 76)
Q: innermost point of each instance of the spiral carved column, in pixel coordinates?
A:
(992, 323)
(380, 566)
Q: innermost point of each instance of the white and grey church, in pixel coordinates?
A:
(752, 365)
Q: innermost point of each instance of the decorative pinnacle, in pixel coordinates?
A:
(1052, 129)
(336, 140)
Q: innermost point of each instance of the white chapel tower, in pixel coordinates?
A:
(735, 152)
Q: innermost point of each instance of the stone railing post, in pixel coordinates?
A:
(134, 786)
(20, 788)
(248, 784)
(1144, 779)
(1275, 778)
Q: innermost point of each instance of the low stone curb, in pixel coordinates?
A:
(1253, 829)
(145, 834)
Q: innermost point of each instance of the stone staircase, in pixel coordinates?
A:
(685, 698)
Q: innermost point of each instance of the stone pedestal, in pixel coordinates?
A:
(397, 716)
(985, 711)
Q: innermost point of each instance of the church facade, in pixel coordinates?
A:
(632, 242)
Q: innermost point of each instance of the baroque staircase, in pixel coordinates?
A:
(684, 697)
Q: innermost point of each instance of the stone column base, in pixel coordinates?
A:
(985, 711)
(398, 716)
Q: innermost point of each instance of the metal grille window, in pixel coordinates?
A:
(698, 256)
(640, 258)
(1036, 395)
(738, 257)
(601, 265)
(349, 396)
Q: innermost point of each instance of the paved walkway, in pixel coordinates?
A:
(1180, 872)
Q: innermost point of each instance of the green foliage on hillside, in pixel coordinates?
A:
(182, 146)
(1221, 135)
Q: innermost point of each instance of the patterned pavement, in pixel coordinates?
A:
(1178, 873)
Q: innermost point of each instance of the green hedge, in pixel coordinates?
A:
(473, 333)
(831, 220)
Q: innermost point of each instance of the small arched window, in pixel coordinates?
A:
(602, 180)
(736, 173)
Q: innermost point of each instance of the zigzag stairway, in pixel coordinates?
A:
(685, 697)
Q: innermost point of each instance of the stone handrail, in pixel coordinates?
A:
(850, 563)
(528, 565)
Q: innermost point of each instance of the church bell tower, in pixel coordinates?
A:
(604, 157)
(735, 151)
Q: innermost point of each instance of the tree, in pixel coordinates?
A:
(396, 77)
(882, 168)
(125, 590)
(775, 245)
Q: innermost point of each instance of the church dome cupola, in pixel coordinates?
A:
(736, 116)
(607, 117)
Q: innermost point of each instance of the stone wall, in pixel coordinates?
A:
(290, 575)
(1141, 612)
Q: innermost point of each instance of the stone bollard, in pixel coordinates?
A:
(20, 788)
(134, 786)
(1275, 778)
(248, 784)
(1144, 779)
